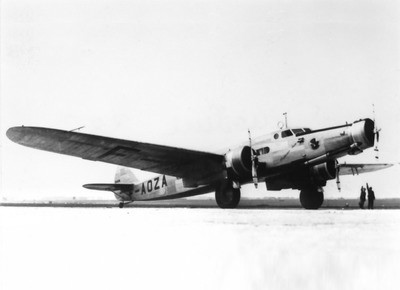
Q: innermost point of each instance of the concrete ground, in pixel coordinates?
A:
(198, 248)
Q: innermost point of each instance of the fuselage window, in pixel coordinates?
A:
(276, 136)
(263, 151)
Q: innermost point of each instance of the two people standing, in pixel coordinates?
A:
(371, 197)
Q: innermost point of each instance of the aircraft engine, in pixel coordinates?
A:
(238, 162)
(316, 175)
(362, 133)
(322, 172)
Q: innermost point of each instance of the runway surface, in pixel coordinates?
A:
(265, 203)
(198, 248)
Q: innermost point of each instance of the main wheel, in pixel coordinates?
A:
(226, 196)
(311, 198)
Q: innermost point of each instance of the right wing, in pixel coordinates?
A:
(195, 167)
(356, 169)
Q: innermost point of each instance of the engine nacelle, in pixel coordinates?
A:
(362, 133)
(238, 162)
(322, 172)
(316, 175)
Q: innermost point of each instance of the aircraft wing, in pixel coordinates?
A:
(355, 169)
(194, 166)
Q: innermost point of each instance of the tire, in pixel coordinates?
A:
(226, 196)
(311, 198)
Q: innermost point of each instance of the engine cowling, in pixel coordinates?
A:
(316, 175)
(238, 162)
(362, 133)
(322, 172)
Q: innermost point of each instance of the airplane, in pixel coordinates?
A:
(296, 158)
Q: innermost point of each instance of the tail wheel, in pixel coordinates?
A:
(226, 196)
(312, 197)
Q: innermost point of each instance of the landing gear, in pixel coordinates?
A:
(311, 197)
(226, 196)
(122, 203)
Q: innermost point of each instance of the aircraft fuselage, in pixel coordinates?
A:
(160, 187)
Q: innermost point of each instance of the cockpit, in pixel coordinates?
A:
(291, 132)
(283, 134)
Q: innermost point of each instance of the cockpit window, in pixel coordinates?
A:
(297, 131)
(286, 133)
(302, 131)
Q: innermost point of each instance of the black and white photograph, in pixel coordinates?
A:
(171, 144)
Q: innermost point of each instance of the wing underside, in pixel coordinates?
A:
(355, 169)
(202, 167)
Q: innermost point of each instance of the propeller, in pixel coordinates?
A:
(376, 135)
(338, 175)
(254, 163)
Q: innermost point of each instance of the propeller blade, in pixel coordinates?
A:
(254, 163)
(254, 174)
(338, 176)
(376, 132)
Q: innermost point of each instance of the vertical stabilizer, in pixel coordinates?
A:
(125, 176)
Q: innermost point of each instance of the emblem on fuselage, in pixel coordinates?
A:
(314, 143)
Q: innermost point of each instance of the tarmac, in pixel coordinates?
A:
(204, 247)
(266, 203)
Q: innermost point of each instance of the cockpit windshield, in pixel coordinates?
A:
(301, 131)
(286, 133)
(296, 132)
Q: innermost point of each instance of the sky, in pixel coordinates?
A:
(192, 74)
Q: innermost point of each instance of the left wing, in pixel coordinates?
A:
(195, 167)
(355, 169)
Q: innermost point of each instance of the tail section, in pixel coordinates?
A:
(125, 176)
(123, 186)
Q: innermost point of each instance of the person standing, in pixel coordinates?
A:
(362, 197)
(371, 197)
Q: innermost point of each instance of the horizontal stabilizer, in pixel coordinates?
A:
(355, 169)
(109, 186)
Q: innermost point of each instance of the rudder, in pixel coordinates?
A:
(125, 176)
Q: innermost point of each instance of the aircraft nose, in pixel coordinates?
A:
(369, 131)
(362, 133)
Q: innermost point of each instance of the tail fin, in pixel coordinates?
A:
(125, 176)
